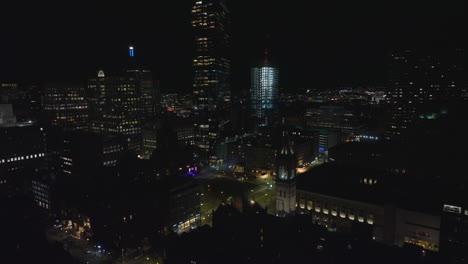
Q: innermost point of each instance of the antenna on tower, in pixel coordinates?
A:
(131, 51)
(267, 52)
(266, 61)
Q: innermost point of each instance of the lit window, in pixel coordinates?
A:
(370, 218)
(302, 203)
(351, 213)
(317, 206)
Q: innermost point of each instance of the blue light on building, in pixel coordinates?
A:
(264, 92)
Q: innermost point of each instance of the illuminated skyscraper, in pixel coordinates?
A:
(210, 21)
(264, 93)
(115, 107)
(149, 89)
(121, 104)
(149, 94)
(65, 105)
(7, 118)
(420, 84)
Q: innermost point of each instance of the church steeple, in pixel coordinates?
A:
(286, 160)
(285, 178)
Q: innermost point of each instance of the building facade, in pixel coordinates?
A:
(22, 153)
(324, 140)
(264, 94)
(454, 231)
(7, 118)
(149, 90)
(65, 105)
(211, 63)
(286, 179)
(388, 224)
(419, 83)
(335, 117)
(115, 108)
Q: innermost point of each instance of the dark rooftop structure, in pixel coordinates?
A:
(370, 185)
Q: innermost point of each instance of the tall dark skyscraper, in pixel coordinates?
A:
(264, 93)
(420, 84)
(211, 63)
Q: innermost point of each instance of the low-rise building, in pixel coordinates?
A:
(339, 198)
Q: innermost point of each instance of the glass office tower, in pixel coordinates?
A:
(211, 63)
(264, 94)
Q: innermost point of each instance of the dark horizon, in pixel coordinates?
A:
(322, 46)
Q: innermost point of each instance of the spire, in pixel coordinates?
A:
(266, 62)
(286, 178)
(131, 51)
(286, 146)
(132, 63)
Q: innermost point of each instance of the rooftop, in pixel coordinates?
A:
(345, 182)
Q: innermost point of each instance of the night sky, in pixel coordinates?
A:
(316, 44)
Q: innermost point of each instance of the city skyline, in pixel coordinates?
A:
(343, 44)
(227, 131)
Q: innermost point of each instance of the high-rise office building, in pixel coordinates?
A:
(264, 93)
(78, 152)
(211, 64)
(22, 153)
(115, 107)
(122, 104)
(149, 89)
(150, 101)
(65, 105)
(207, 130)
(26, 100)
(420, 83)
(7, 118)
(6, 91)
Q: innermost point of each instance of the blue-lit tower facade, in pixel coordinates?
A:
(264, 93)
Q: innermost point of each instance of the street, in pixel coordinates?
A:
(79, 249)
(218, 187)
